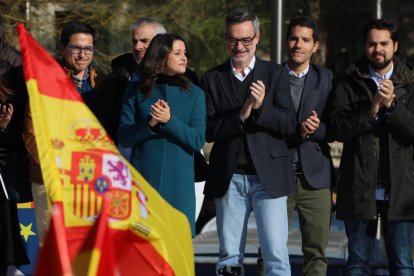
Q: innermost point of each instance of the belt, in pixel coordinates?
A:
(298, 172)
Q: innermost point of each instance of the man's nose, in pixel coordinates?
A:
(139, 45)
(239, 45)
(82, 53)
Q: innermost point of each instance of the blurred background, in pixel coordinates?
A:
(201, 23)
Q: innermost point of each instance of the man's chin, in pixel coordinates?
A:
(379, 65)
(239, 60)
(137, 58)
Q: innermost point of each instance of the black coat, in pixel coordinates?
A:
(267, 128)
(314, 152)
(352, 123)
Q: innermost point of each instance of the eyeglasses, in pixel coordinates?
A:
(244, 41)
(76, 49)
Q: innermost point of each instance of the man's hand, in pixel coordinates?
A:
(246, 109)
(309, 125)
(376, 104)
(386, 92)
(257, 91)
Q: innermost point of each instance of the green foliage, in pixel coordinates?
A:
(199, 22)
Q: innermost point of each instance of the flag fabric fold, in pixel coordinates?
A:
(82, 169)
(54, 257)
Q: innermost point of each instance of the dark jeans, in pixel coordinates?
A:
(361, 244)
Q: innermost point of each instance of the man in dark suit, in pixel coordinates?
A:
(249, 115)
(311, 160)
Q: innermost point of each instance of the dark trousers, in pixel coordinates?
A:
(314, 210)
(361, 244)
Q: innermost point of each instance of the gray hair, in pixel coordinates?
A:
(240, 16)
(159, 27)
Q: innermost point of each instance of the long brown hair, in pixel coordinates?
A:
(5, 92)
(154, 61)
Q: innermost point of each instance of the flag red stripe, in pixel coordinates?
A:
(54, 256)
(81, 214)
(37, 61)
(131, 251)
(74, 199)
(89, 203)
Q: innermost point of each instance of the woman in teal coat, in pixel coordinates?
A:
(163, 120)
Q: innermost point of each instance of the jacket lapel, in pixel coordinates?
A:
(259, 71)
(310, 95)
(226, 82)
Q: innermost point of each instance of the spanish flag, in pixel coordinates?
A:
(82, 168)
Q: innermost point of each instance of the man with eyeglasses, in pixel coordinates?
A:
(249, 113)
(78, 45)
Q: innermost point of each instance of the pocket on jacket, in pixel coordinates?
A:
(280, 152)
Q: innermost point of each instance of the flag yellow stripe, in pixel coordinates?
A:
(49, 170)
(94, 262)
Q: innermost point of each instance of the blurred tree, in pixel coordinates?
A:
(192, 19)
(201, 24)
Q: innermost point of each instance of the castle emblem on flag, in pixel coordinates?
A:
(96, 173)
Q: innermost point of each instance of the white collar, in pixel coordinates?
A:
(377, 77)
(301, 74)
(246, 70)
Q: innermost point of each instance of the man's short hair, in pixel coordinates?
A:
(159, 27)
(381, 24)
(304, 21)
(240, 16)
(75, 27)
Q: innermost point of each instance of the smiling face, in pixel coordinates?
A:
(80, 61)
(176, 60)
(380, 49)
(240, 54)
(300, 47)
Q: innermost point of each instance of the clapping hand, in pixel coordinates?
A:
(383, 97)
(309, 125)
(254, 101)
(257, 91)
(160, 113)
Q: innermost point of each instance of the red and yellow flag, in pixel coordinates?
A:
(54, 256)
(81, 168)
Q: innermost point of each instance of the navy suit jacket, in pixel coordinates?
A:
(265, 129)
(314, 152)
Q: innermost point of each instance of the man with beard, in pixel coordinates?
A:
(372, 113)
(249, 113)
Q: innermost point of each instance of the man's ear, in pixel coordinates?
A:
(395, 46)
(315, 47)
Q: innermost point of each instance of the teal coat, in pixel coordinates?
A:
(164, 156)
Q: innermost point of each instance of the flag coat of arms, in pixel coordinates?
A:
(81, 168)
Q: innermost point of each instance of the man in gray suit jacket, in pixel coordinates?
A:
(311, 159)
(249, 115)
